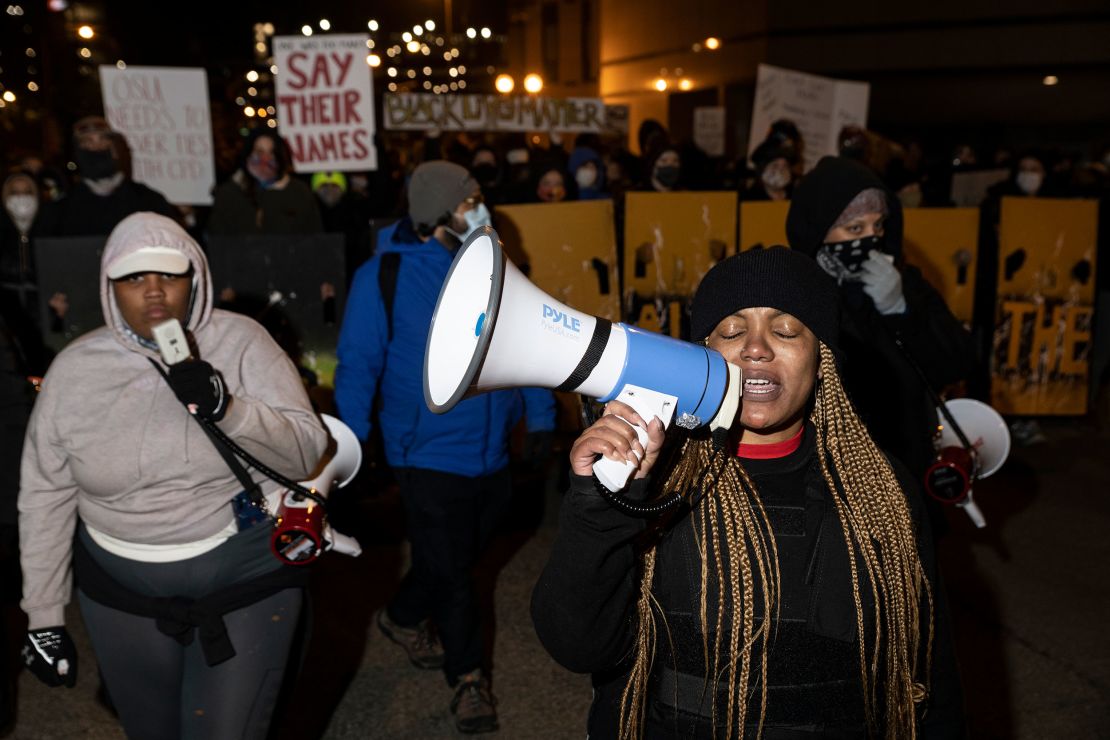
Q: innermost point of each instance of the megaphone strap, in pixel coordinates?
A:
(594, 350)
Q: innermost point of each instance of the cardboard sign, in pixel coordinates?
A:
(1046, 274)
(163, 114)
(670, 242)
(570, 250)
(425, 112)
(709, 130)
(819, 106)
(763, 224)
(944, 244)
(325, 102)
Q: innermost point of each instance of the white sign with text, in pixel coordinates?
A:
(163, 113)
(819, 106)
(325, 101)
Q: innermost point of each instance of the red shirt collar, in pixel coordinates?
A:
(773, 450)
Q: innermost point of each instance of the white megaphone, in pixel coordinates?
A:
(952, 477)
(301, 532)
(493, 329)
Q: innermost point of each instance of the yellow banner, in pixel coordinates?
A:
(763, 223)
(670, 242)
(570, 250)
(1046, 276)
(944, 244)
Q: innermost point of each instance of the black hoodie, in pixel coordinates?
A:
(884, 386)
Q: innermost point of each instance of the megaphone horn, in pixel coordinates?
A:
(494, 329)
(301, 532)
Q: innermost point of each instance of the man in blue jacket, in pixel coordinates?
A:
(452, 468)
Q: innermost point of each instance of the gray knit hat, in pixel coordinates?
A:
(436, 189)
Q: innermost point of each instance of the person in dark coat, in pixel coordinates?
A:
(263, 197)
(774, 167)
(105, 194)
(843, 216)
(750, 609)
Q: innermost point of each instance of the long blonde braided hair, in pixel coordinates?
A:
(738, 555)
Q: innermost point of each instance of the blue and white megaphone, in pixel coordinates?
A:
(494, 329)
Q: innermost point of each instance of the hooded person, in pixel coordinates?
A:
(842, 216)
(774, 167)
(587, 170)
(750, 608)
(262, 196)
(168, 545)
(105, 193)
(452, 468)
(662, 170)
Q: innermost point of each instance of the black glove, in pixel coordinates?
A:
(51, 656)
(200, 387)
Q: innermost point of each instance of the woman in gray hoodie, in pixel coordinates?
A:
(161, 554)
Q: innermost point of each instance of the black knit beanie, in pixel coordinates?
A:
(777, 277)
(824, 193)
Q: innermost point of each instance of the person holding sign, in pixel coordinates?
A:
(898, 334)
(793, 593)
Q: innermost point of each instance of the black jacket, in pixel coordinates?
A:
(84, 213)
(889, 393)
(584, 611)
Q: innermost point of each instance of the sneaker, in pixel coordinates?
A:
(474, 705)
(419, 642)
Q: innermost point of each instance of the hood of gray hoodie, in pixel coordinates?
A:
(152, 230)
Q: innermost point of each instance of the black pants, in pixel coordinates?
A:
(450, 521)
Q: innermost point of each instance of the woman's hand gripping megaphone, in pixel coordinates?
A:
(620, 435)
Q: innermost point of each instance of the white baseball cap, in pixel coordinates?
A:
(166, 260)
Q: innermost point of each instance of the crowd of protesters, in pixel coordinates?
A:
(432, 192)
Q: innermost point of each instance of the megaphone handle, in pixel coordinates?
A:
(614, 474)
(973, 511)
(341, 543)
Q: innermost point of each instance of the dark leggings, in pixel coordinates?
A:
(164, 690)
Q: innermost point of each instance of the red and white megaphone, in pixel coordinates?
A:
(301, 532)
(952, 477)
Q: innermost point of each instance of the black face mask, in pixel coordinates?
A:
(843, 260)
(667, 176)
(485, 174)
(96, 165)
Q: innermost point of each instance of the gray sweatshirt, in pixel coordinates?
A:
(110, 443)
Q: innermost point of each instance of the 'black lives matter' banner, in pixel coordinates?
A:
(424, 112)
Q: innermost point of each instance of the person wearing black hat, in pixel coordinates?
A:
(452, 468)
(105, 193)
(793, 592)
(774, 165)
(897, 333)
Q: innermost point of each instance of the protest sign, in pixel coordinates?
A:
(163, 114)
(325, 101)
(709, 129)
(424, 111)
(1046, 276)
(570, 250)
(763, 223)
(819, 106)
(944, 244)
(670, 242)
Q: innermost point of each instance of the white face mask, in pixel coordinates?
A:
(22, 207)
(586, 177)
(776, 178)
(476, 218)
(1029, 182)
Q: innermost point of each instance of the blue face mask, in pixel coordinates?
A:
(476, 218)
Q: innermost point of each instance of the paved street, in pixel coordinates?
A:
(1030, 600)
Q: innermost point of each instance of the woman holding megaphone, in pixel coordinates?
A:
(794, 592)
